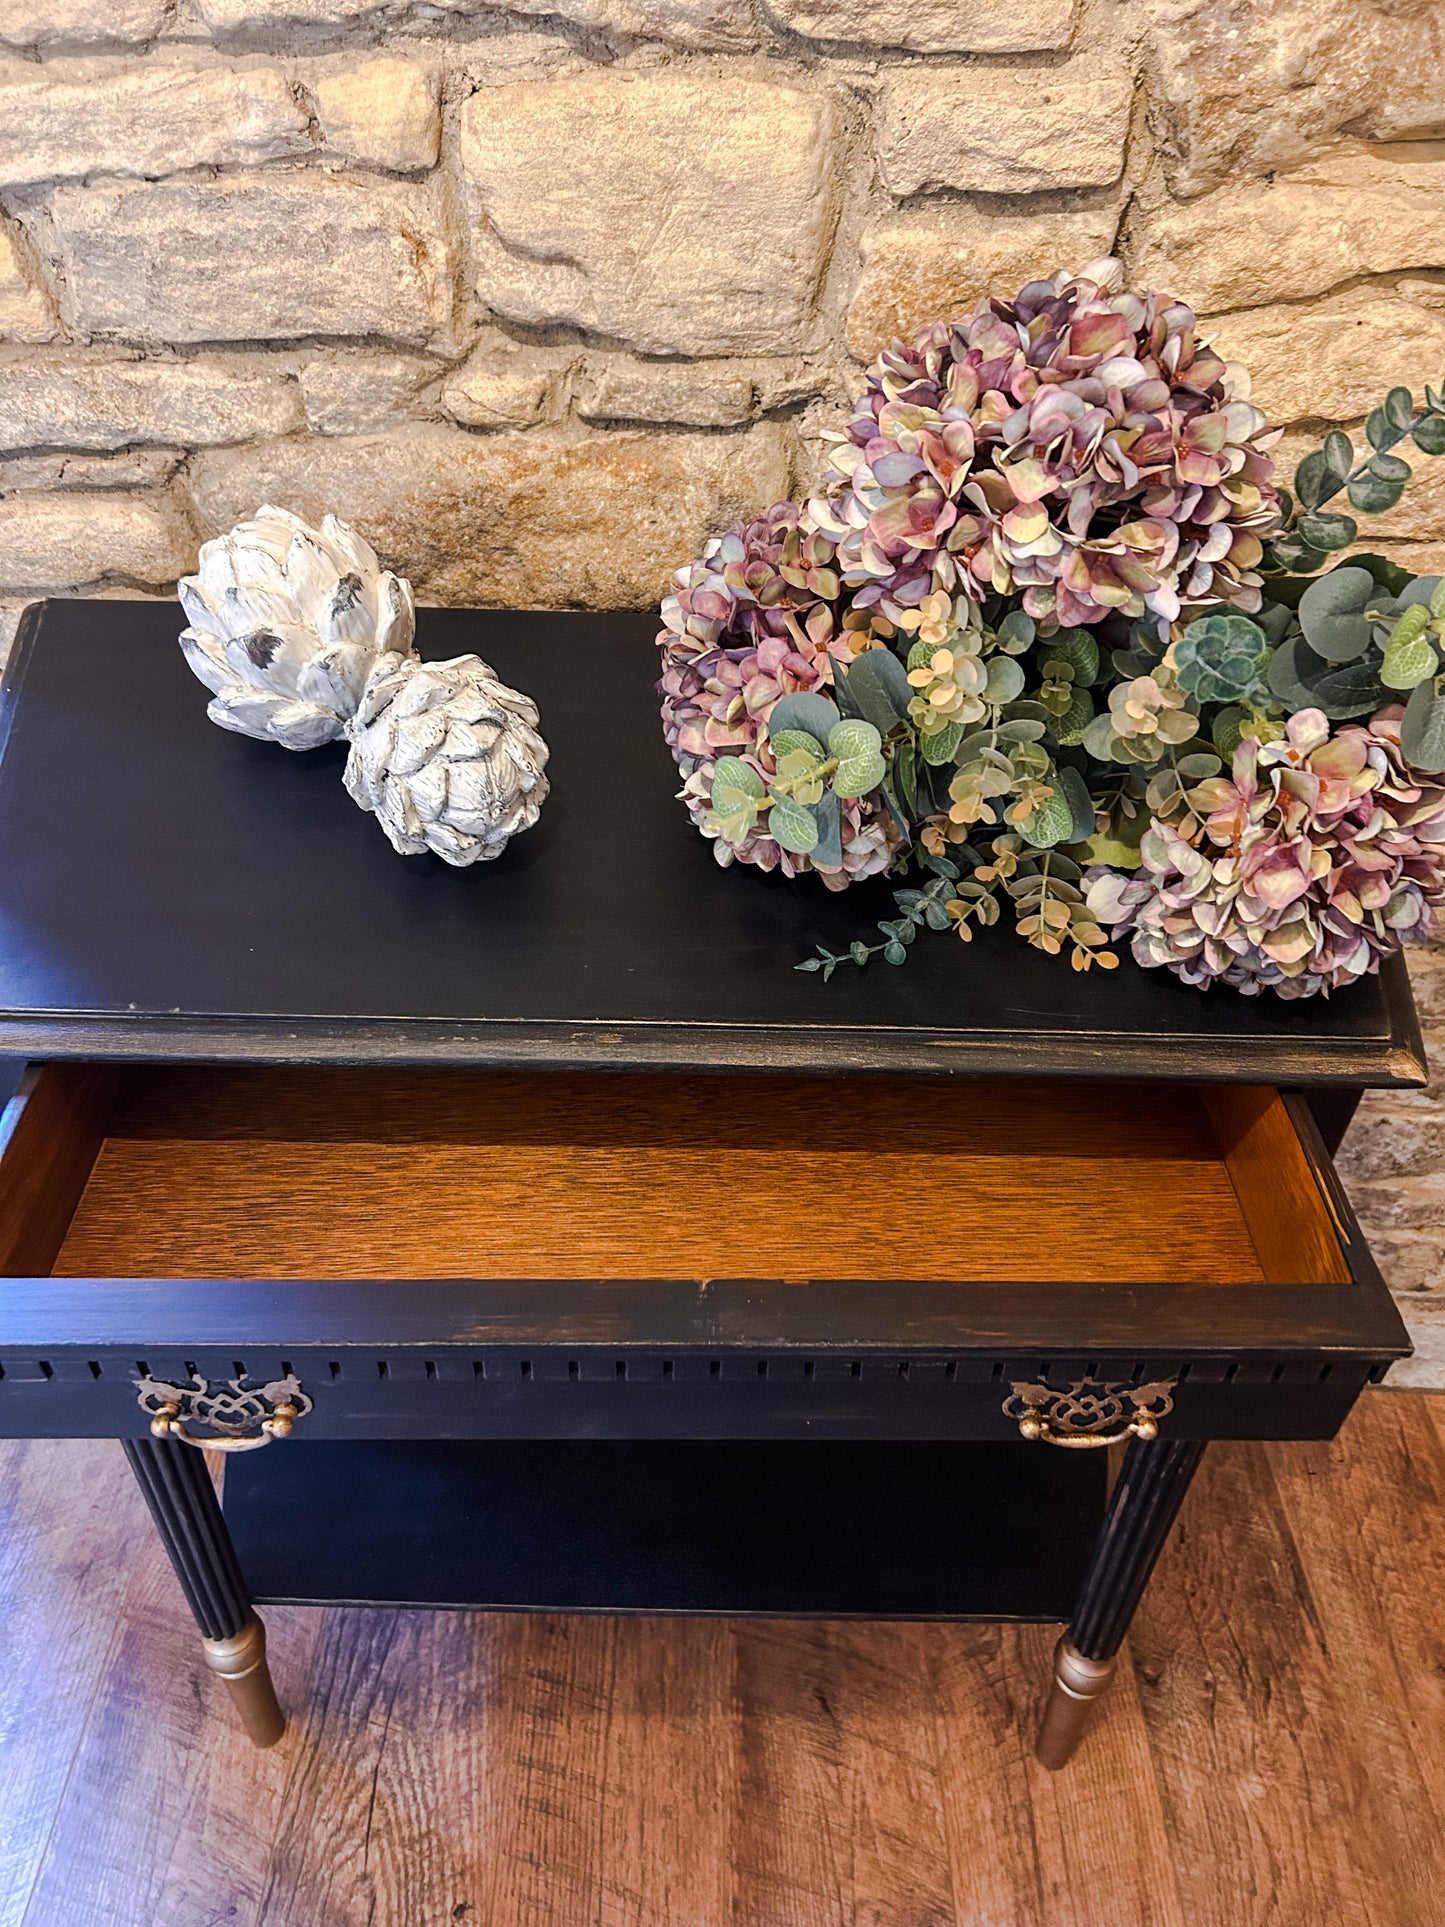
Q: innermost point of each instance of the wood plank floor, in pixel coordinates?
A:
(1273, 1756)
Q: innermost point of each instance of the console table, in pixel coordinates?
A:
(564, 1248)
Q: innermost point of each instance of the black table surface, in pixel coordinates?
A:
(169, 890)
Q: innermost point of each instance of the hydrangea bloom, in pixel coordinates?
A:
(1078, 444)
(1298, 872)
(749, 622)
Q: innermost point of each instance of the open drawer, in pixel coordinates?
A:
(476, 1254)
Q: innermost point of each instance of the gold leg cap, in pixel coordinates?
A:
(1077, 1684)
(241, 1663)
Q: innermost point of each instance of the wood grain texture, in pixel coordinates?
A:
(485, 1175)
(1287, 1217)
(451, 1770)
(50, 1133)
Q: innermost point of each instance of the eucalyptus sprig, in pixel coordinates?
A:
(1371, 484)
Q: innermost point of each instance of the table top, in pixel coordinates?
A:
(173, 891)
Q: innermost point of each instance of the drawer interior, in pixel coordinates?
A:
(194, 1172)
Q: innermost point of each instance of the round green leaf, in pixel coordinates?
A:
(731, 776)
(1328, 531)
(1378, 431)
(1429, 435)
(1373, 494)
(1291, 552)
(1005, 680)
(1339, 450)
(1399, 408)
(1390, 468)
(1331, 613)
(894, 952)
(790, 742)
(1016, 632)
(793, 827)
(1314, 480)
(808, 712)
(1408, 660)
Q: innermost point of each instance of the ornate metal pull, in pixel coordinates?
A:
(243, 1417)
(1090, 1413)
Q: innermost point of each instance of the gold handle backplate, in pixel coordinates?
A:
(238, 1417)
(1090, 1413)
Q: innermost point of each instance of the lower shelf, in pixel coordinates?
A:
(820, 1529)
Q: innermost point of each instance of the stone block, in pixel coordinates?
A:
(46, 24)
(175, 110)
(938, 264)
(508, 384)
(933, 26)
(620, 388)
(680, 213)
(352, 393)
(72, 540)
(1250, 246)
(60, 399)
(26, 310)
(377, 111)
(136, 468)
(1334, 361)
(717, 24)
(1002, 130)
(551, 518)
(1243, 88)
(248, 257)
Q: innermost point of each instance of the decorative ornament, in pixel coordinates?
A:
(286, 622)
(302, 637)
(447, 758)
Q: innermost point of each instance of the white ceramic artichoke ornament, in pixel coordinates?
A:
(447, 757)
(286, 622)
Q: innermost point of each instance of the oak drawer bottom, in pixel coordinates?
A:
(810, 1528)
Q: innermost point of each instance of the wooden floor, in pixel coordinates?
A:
(1274, 1756)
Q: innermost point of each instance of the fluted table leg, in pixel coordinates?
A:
(1144, 1505)
(177, 1486)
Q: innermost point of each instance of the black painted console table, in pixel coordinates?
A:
(565, 1248)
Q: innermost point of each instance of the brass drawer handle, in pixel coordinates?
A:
(1090, 1413)
(243, 1417)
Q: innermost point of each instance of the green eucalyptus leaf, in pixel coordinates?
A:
(1099, 739)
(1387, 574)
(1081, 805)
(1373, 494)
(792, 742)
(1052, 822)
(1070, 727)
(1399, 408)
(858, 748)
(1293, 669)
(878, 688)
(1005, 680)
(1390, 468)
(942, 746)
(894, 952)
(1291, 552)
(1331, 613)
(905, 777)
(1339, 451)
(793, 826)
(1328, 531)
(808, 713)
(1378, 432)
(731, 776)
(1422, 733)
(1429, 435)
(1314, 480)
(1016, 632)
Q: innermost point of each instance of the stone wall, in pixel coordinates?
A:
(540, 294)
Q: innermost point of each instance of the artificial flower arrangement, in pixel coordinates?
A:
(1051, 634)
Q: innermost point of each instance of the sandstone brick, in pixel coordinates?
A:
(70, 118)
(63, 400)
(67, 541)
(934, 26)
(352, 393)
(508, 384)
(930, 267)
(137, 468)
(551, 518)
(1238, 87)
(1335, 361)
(377, 112)
(26, 311)
(720, 24)
(678, 212)
(696, 394)
(45, 24)
(1001, 130)
(249, 257)
(1249, 246)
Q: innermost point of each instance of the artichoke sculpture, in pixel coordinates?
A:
(286, 623)
(447, 757)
